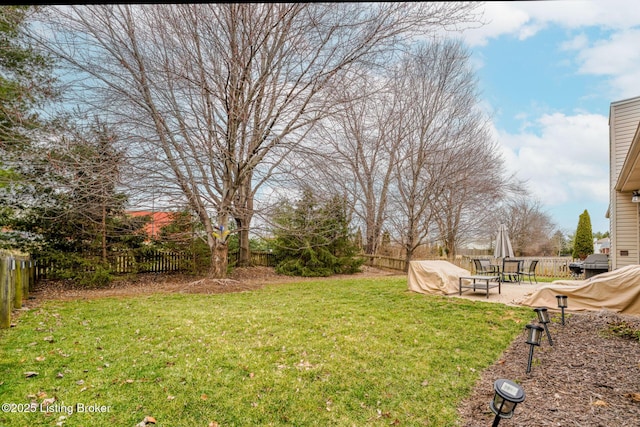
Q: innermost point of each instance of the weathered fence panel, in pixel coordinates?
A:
(263, 259)
(380, 261)
(127, 263)
(555, 267)
(152, 262)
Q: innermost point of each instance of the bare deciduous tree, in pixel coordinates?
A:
(448, 156)
(211, 97)
(473, 185)
(530, 228)
(360, 148)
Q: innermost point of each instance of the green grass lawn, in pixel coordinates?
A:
(322, 353)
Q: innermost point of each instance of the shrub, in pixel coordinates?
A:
(100, 277)
(312, 240)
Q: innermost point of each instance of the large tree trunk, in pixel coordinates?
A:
(244, 255)
(450, 246)
(407, 259)
(219, 260)
(370, 246)
(373, 230)
(217, 241)
(409, 247)
(243, 213)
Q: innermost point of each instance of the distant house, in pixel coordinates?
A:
(602, 246)
(156, 222)
(624, 182)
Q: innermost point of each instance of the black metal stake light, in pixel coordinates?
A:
(535, 336)
(562, 304)
(507, 395)
(543, 317)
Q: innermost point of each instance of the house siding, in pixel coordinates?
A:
(626, 232)
(624, 118)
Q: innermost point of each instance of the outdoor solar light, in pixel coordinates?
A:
(543, 317)
(562, 304)
(535, 336)
(507, 395)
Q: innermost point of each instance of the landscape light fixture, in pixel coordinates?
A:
(507, 395)
(562, 304)
(543, 317)
(535, 336)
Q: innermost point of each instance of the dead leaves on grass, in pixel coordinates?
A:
(635, 397)
(146, 421)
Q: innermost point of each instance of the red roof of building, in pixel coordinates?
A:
(157, 221)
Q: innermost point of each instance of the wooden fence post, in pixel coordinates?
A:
(17, 283)
(32, 274)
(5, 294)
(11, 273)
(26, 278)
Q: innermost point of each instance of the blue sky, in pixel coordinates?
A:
(548, 72)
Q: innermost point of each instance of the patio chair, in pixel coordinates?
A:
(511, 270)
(531, 271)
(484, 267)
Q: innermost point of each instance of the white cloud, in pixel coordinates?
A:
(575, 14)
(578, 42)
(565, 161)
(524, 19)
(501, 18)
(565, 157)
(617, 58)
(608, 57)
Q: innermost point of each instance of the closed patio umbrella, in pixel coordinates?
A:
(503, 244)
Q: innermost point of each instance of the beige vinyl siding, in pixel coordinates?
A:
(626, 231)
(623, 123)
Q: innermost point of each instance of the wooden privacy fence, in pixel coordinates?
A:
(17, 276)
(258, 258)
(380, 261)
(152, 262)
(556, 267)
(148, 262)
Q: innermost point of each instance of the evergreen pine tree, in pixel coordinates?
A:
(313, 239)
(583, 243)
